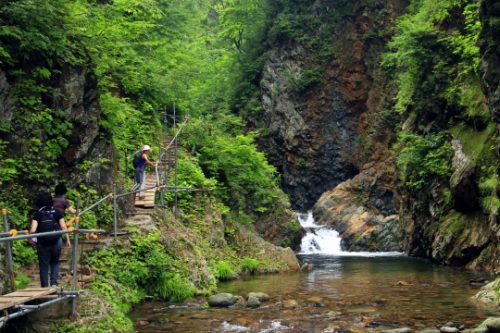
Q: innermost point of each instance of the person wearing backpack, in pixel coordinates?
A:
(48, 247)
(140, 163)
(62, 204)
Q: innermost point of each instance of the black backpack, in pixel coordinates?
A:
(47, 222)
(136, 161)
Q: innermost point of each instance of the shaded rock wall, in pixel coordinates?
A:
(489, 43)
(74, 92)
(332, 143)
(314, 135)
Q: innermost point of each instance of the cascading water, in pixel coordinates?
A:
(321, 240)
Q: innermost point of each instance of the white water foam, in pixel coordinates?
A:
(227, 327)
(275, 327)
(324, 241)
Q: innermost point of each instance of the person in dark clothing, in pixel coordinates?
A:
(49, 247)
(140, 168)
(61, 204)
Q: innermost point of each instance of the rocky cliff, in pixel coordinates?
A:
(332, 134)
(318, 97)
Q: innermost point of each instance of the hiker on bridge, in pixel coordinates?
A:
(140, 163)
(49, 247)
(61, 204)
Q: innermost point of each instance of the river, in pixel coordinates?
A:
(346, 292)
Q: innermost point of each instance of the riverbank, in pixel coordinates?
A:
(164, 258)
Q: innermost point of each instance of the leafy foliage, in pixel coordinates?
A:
(244, 180)
(423, 159)
(224, 271)
(433, 57)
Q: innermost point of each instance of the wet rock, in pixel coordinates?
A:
(429, 330)
(369, 224)
(253, 302)
(222, 300)
(403, 283)
(397, 330)
(142, 323)
(479, 282)
(290, 303)
(378, 323)
(262, 297)
(289, 257)
(333, 315)
(490, 325)
(240, 301)
(451, 327)
(314, 299)
(489, 294)
(307, 267)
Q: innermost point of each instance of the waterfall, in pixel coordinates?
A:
(322, 240)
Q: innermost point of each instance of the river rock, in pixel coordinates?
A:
(397, 330)
(262, 297)
(307, 267)
(488, 294)
(253, 302)
(490, 325)
(333, 315)
(240, 301)
(222, 300)
(290, 303)
(448, 329)
(429, 330)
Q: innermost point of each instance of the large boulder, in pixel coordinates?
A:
(222, 300)
(362, 210)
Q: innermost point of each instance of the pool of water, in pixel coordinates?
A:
(341, 294)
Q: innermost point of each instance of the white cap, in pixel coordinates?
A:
(146, 147)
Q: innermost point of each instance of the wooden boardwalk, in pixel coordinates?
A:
(25, 295)
(149, 195)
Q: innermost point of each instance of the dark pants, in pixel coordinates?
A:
(48, 256)
(139, 175)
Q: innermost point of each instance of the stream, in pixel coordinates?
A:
(346, 292)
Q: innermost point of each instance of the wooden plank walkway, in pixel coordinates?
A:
(149, 195)
(25, 295)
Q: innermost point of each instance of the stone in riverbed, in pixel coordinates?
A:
(290, 303)
(490, 325)
(253, 302)
(262, 297)
(222, 300)
(429, 330)
(397, 330)
(449, 329)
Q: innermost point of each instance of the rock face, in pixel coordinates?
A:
(489, 42)
(315, 109)
(70, 94)
(489, 294)
(362, 210)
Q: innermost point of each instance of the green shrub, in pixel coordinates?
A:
(22, 280)
(489, 185)
(422, 159)
(224, 271)
(23, 253)
(171, 287)
(250, 265)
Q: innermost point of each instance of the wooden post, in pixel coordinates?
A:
(10, 262)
